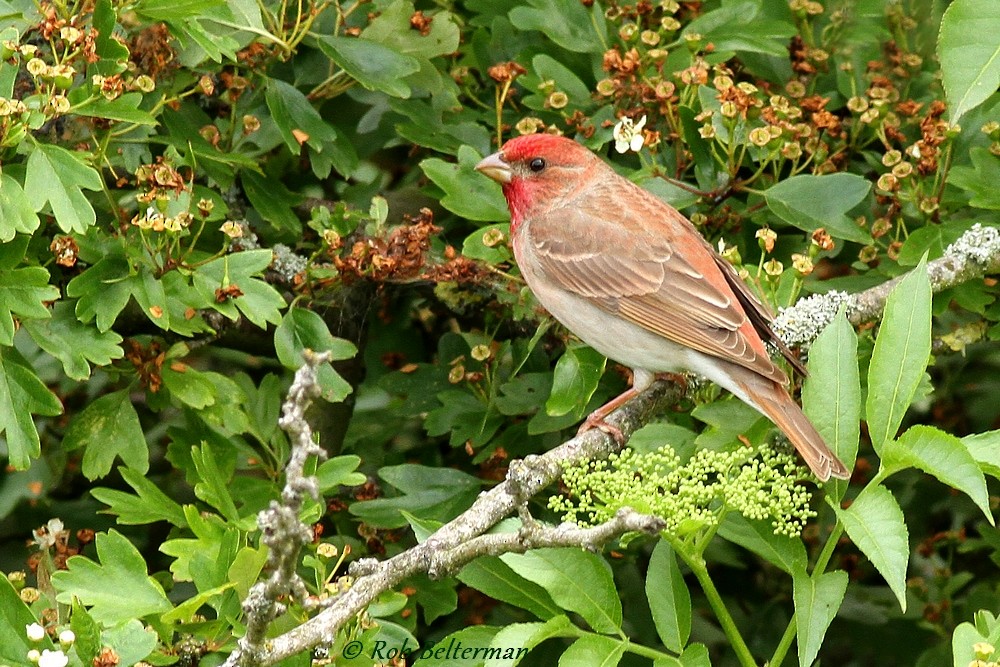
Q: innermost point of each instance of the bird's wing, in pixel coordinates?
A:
(653, 275)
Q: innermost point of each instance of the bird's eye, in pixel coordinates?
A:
(536, 164)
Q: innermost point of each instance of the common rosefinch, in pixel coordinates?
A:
(632, 277)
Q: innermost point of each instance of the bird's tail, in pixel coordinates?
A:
(774, 401)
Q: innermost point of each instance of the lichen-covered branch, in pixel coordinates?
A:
(975, 255)
(463, 539)
(282, 531)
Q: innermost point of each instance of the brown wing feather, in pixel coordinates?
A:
(635, 272)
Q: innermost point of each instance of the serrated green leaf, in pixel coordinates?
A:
(577, 580)
(87, 631)
(21, 395)
(116, 587)
(817, 600)
(810, 202)
(575, 380)
(902, 349)
(103, 291)
(259, 302)
(188, 385)
(213, 487)
(875, 524)
(831, 397)
(942, 455)
(669, 597)
(109, 427)
(969, 54)
(148, 505)
(985, 449)
(517, 636)
(75, 344)
(302, 329)
(978, 179)
(17, 215)
(58, 177)
(593, 651)
(740, 27)
(23, 292)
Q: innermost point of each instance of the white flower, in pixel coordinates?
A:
(34, 655)
(35, 632)
(46, 536)
(66, 638)
(628, 136)
(52, 659)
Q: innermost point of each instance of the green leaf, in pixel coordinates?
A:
(969, 54)
(475, 247)
(338, 471)
(810, 202)
(875, 524)
(57, 177)
(449, 652)
(817, 600)
(577, 580)
(568, 23)
(963, 639)
(103, 291)
(259, 302)
(123, 108)
(109, 427)
(189, 386)
(831, 397)
(669, 598)
(985, 449)
(518, 637)
(303, 329)
(17, 215)
(296, 118)
(739, 27)
(978, 179)
(273, 201)
(902, 349)
(392, 28)
(148, 505)
(14, 617)
(116, 588)
(373, 65)
(75, 344)
(23, 292)
(172, 10)
(87, 631)
(214, 485)
(467, 192)
(131, 642)
(593, 651)
(942, 455)
(493, 577)
(575, 380)
(427, 493)
(21, 395)
(786, 553)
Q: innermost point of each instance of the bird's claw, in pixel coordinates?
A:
(597, 421)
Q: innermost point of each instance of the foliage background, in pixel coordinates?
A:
(192, 193)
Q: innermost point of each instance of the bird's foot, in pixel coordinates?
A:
(596, 420)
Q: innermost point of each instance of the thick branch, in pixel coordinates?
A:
(975, 255)
(462, 540)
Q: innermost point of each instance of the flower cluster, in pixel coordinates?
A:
(47, 657)
(689, 496)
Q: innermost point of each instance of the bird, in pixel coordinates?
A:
(631, 277)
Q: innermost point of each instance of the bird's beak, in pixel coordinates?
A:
(496, 168)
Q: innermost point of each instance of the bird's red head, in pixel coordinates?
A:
(538, 170)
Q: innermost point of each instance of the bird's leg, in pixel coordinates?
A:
(596, 418)
(640, 384)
